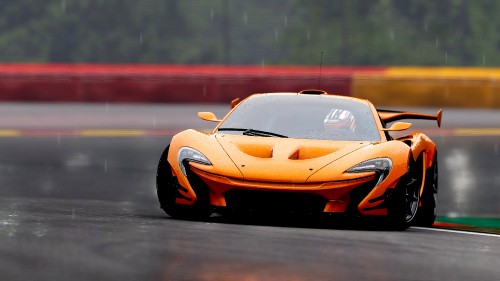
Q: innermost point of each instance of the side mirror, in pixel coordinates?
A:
(399, 126)
(208, 116)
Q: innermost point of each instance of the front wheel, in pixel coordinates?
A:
(168, 190)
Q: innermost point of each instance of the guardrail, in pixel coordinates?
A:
(159, 83)
(393, 86)
(436, 87)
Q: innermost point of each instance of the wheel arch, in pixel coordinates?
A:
(422, 145)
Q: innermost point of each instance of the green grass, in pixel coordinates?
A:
(479, 224)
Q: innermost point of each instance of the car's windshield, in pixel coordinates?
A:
(303, 117)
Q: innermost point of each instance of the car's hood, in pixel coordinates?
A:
(283, 159)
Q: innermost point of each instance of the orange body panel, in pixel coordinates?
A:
(296, 165)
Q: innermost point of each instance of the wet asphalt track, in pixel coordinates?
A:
(81, 206)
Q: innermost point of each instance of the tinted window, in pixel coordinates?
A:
(305, 117)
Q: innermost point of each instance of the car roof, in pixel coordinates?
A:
(313, 93)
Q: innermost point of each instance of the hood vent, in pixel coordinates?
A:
(303, 153)
(295, 155)
(257, 150)
(299, 153)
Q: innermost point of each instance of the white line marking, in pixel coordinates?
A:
(458, 231)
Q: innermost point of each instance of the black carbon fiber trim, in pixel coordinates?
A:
(358, 194)
(274, 202)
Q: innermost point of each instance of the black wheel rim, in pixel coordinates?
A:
(412, 196)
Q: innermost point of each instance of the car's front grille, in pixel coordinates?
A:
(274, 202)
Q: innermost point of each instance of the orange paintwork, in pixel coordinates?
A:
(296, 165)
(392, 116)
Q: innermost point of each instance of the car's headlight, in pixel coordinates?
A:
(187, 154)
(380, 165)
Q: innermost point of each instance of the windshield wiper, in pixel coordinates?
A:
(253, 132)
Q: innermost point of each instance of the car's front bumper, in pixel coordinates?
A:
(330, 197)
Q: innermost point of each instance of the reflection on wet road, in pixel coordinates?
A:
(470, 180)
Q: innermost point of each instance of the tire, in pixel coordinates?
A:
(168, 190)
(427, 212)
(403, 203)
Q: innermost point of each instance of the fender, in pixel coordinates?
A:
(208, 146)
(422, 144)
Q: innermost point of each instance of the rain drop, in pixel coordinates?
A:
(437, 42)
(140, 39)
(245, 18)
(41, 230)
(63, 6)
(212, 14)
(286, 21)
(308, 34)
(391, 34)
(275, 34)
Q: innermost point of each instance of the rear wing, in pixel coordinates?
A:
(392, 115)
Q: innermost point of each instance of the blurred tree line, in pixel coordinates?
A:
(348, 32)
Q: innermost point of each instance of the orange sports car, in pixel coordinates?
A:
(308, 153)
